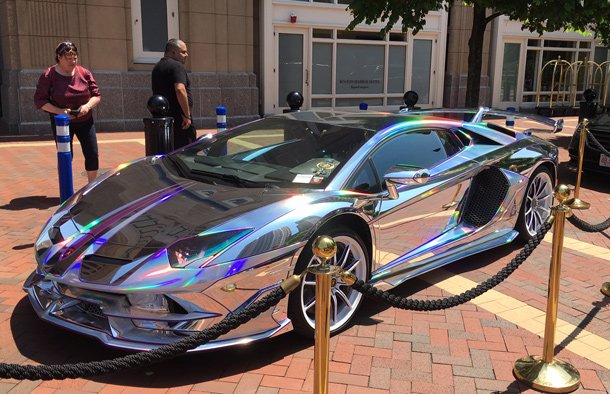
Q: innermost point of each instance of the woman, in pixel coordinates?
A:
(67, 88)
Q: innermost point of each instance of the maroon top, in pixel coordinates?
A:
(68, 92)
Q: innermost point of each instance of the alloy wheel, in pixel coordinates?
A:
(538, 201)
(344, 300)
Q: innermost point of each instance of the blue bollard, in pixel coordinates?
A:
(363, 106)
(64, 157)
(510, 120)
(221, 119)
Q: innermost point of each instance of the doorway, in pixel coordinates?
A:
(292, 65)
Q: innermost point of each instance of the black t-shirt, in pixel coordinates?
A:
(166, 73)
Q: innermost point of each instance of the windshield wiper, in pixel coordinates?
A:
(179, 164)
(229, 178)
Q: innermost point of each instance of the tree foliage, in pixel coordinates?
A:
(536, 15)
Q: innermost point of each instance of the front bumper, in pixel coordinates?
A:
(111, 319)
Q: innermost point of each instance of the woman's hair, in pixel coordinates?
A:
(66, 47)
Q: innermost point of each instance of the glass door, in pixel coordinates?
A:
(423, 71)
(292, 65)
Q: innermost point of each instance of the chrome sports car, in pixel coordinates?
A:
(168, 245)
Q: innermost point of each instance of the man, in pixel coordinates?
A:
(169, 79)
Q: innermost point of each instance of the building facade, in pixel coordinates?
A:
(249, 54)
(519, 78)
(120, 40)
(513, 61)
(305, 47)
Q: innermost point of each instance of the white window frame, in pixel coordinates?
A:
(173, 31)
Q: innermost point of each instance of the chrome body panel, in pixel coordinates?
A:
(101, 260)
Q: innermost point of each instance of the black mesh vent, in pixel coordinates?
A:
(99, 269)
(91, 309)
(487, 192)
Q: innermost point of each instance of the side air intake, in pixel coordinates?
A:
(487, 192)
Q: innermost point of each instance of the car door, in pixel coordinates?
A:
(422, 211)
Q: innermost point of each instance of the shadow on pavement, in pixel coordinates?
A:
(562, 141)
(22, 247)
(410, 288)
(46, 344)
(567, 174)
(38, 202)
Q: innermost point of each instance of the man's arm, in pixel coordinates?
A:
(184, 104)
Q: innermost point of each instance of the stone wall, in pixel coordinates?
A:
(456, 68)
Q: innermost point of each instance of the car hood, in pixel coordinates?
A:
(146, 206)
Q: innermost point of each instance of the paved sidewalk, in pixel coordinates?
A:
(467, 349)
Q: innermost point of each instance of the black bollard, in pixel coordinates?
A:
(410, 98)
(588, 108)
(294, 100)
(158, 130)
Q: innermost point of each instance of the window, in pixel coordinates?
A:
(421, 148)
(322, 68)
(350, 68)
(553, 80)
(365, 180)
(360, 69)
(510, 69)
(154, 22)
(422, 68)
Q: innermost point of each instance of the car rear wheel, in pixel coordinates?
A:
(537, 202)
(351, 256)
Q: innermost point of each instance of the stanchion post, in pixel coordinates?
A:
(547, 373)
(578, 203)
(64, 157)
(324, 248)
(606, 288)
(221, 119)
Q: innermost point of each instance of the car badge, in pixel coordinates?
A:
(325, 165)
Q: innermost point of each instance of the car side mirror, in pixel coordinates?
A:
(404, 175)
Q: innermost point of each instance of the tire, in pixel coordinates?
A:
(345, 301)
(536, 205)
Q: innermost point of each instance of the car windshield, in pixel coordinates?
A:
(272, 152)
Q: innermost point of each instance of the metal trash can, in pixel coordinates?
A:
(158, 130)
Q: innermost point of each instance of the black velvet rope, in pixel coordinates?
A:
(444, 303)
(588, 227)
(597, 144)
(77, 370)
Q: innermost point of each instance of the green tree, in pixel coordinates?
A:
(536, 15)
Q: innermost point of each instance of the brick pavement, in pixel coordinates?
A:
(467, 349)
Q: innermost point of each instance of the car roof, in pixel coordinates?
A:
(368, 120)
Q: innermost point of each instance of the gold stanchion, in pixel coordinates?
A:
(606, 288)
(324, 247)
(547, 373)
(578, 203)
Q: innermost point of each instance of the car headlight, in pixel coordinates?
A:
(203, 248)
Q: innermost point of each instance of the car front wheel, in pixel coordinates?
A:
(344, 301)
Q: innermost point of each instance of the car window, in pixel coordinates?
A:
(365, 180)
(421, 148)
(273, 152)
